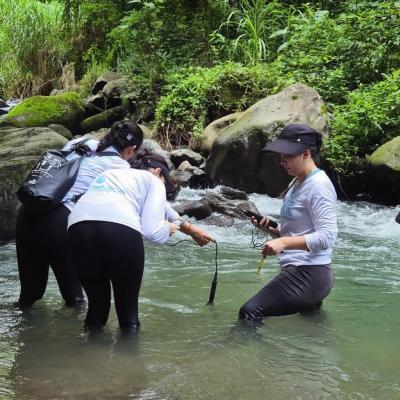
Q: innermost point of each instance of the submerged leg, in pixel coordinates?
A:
(295, 289)
(33, 265)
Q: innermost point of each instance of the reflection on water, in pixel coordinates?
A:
(187, 350)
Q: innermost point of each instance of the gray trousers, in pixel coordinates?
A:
(295, 289)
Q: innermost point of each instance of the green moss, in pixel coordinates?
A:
(65, 109)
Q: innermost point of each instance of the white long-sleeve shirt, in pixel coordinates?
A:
(90, 168)
(310, 211)
(131, 197)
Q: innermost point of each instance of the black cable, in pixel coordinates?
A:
(215, 279)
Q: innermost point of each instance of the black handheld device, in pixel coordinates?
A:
(258, 217)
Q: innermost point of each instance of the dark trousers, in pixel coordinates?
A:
(105, 254)
(295, 289)
(42, 242)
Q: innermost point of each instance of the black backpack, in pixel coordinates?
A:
(50, 180)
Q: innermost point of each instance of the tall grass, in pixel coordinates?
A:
(33, 46)
(248, 33)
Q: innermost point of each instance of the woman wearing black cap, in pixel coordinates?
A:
(41, 240)
(105, 231)
(305, 238)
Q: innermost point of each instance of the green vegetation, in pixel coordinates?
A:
(188, 62)
(370, 117)
(197, 96)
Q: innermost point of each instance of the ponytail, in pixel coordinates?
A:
(122, 134)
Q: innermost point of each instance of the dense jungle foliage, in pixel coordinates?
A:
(189, 62)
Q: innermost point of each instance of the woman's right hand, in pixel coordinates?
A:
(263, 224)
(173, 228)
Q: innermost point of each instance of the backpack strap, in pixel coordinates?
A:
(107, 153)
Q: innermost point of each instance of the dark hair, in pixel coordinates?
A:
(144, 157)
(122, 134)
(315, 150)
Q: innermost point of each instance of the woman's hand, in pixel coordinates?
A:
(264, 226)
(172, 228)
(200, 236)
(273, 247)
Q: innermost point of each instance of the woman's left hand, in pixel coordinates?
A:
(200, 236)
(273, 247)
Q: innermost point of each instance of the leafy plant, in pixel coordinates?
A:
(194, 97)
(370, 117)
(249, 34)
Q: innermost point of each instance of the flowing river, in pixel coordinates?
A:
(188, 350)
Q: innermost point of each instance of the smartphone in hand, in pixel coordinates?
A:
(258, 217)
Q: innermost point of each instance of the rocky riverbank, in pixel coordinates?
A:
(228, 153)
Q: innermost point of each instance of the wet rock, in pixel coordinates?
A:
(216, 203)
(365, 181)
(112, 91)
(192, 177)
(398, 218)
(3, 104)
(102, 120)
(147, 132)
(219, 220)
(233, 208)
(184, 166)
(180, 155)
(198, 209)
(233, 194)
(154, 147)
(62, 130)
(104, 79)
(97, 100)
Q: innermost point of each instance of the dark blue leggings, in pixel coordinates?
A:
(105, 254)
(295, 289)
(41, 241)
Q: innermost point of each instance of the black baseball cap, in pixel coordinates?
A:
(170, 188)
(294, 139)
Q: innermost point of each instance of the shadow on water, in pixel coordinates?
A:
(58, 360)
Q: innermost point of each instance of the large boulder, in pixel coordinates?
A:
(388, 154)
(20, 149)
(205, 142)
(236, 159)
(64, 109)
(365, 181)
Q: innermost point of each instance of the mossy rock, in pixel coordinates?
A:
(102, 120)
(65, 109)
(20, 149)
(388, 154)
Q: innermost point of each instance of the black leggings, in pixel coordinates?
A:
(295, 289)
(104, 253)
(40, 242)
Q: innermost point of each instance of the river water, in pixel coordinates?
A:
(187, 350)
